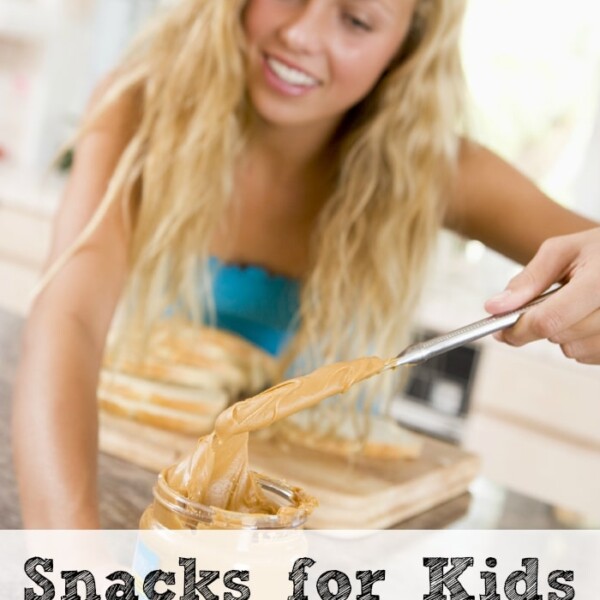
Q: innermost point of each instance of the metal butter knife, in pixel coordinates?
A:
(420, 352)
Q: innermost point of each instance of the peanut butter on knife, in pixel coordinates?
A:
(217, 473)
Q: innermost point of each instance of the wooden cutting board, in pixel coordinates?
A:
(367, 494)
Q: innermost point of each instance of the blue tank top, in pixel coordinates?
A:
(259, 306)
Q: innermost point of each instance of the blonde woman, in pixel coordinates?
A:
(314, 140)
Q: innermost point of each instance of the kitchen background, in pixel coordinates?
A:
(533, 69)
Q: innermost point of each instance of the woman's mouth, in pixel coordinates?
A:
(287, 79)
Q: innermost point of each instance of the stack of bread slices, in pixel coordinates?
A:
(181, 376)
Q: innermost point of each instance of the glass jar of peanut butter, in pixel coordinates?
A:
(174, 528)
(171, 510)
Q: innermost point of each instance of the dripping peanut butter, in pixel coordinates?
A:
(217, 473)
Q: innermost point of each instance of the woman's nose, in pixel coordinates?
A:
(304, 30)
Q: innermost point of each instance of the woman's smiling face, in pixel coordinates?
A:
(309, 61)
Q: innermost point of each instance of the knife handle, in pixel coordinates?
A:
(459, 337)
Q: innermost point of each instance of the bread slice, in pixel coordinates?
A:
(260, 368)
(180, 353)
(163, 405)
(326, 432)
(182, 376)
(210, 376)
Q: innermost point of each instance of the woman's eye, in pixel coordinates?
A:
(356, 22)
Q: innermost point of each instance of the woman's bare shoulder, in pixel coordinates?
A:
(90, 280)
(115, 113)
(107, 129)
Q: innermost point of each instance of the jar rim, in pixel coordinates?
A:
(296, 500)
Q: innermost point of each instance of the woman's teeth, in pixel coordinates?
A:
(289, 75)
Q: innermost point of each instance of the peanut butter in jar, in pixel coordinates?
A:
(175, 529)
(287, 507)
(214, 488)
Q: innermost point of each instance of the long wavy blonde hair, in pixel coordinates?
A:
(374, 234)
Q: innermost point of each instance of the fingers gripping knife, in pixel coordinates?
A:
(418, 353)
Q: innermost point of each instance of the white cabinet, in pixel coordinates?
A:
(534, 415)
(46, 59)
(44, 81)
(535, 422)
(52, 52)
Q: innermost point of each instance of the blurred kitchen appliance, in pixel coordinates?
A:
(436, 397)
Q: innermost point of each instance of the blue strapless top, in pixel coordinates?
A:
(258, 306)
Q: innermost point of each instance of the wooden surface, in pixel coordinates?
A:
(369, 493)
(126, 489)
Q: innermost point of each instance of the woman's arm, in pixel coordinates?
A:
(494, 203)
(55, 409)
